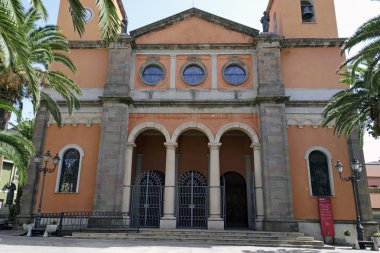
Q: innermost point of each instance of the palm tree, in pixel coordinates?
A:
(109, 21)
(16, 144)
(368, 35)
(357, 107)
(45, 45)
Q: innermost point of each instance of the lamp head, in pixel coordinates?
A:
(56, 160)
(37, 158)
(47, 156)
(339, 166)
(356, 166)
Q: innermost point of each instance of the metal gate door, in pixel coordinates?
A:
(147, 200)
(192, 201)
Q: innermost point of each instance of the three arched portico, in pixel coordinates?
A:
(168, 220)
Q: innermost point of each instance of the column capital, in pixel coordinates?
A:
(214, 145)
(171, 145)
(256, 146)
(130, 145)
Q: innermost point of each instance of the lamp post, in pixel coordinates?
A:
(44, 169)
(356, 169)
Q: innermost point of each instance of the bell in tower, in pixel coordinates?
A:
(307, 11)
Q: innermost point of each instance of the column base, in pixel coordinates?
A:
(168, 222)
(215, 223)
(280, 225)
(259, 224)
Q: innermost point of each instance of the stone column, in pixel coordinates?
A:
(271, 101)
(250, 205)
(215, 220)
(258, 186)
(126, 201)
(168, 220)
(108, 194)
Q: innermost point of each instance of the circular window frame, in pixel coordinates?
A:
(88, 10)
(148, 64)
(198, 64)
(239, 64)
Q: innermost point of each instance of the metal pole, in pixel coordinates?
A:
(359, 227)
(39, 213)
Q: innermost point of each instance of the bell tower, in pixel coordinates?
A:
(92, 30)
(303, 18)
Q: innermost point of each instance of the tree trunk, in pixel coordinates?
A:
(5, 115)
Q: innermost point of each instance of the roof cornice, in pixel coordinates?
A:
(194, 12)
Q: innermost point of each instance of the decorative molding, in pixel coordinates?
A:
(87, 119)
(302, 120)
(312, 42)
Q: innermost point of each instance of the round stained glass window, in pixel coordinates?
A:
(193, 74)
(152, 74)
(234, 74)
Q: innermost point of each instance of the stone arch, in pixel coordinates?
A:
(147, 126)
(192, 125)
(238, 126)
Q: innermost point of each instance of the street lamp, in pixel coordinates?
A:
(44, 169)
(356, 169)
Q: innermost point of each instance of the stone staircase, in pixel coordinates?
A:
(225, 237)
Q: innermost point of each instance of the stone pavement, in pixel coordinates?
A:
(10, 242)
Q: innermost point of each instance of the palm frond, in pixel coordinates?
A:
(17, 148)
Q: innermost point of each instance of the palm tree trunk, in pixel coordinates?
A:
(5, 115)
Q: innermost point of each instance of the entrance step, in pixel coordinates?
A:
(225, 237)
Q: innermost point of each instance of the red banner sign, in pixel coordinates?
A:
(326, 217)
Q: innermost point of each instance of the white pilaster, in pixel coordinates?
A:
(127, 176)
(258, 186)
(215, 220)
(169, 220)
(214, 71)
(173, 63)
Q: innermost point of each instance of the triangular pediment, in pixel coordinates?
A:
(194, 27)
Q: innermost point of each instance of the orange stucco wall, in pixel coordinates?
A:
(88, 139)
(306, 206)
(276, 9)
(92, 67)
(92, 31)
(193, 31)
(151, 147)
(311, 67)
(193, 150)
(142, 61)
(171, 121)
(291, 25)
(235, 146)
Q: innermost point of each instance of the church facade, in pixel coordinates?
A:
(196, 121)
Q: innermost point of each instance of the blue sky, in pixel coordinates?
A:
(350, 15)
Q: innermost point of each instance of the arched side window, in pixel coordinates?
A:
(69, 169)
(320, 172)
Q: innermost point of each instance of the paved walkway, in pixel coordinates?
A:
(11, 243)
